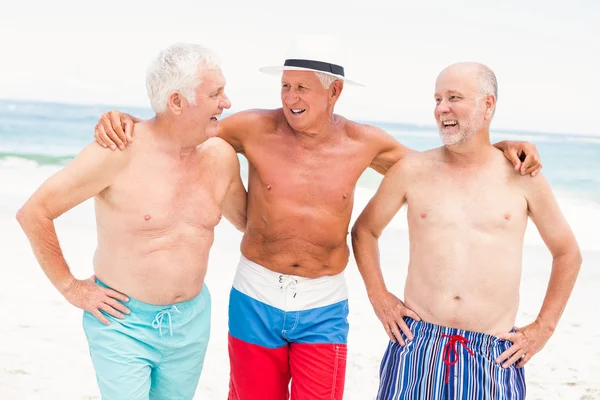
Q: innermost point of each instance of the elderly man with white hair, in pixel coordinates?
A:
(147, 309)
(289, 302)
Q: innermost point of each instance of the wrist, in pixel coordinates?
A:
(376, 291)
(546, 324)
(65, 285)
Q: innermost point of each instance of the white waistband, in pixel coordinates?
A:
(288, 292)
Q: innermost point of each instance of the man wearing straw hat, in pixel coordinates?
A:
(288, 305)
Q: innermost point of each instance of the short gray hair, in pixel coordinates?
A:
(488, 84)
(326, 79)
(177, 68)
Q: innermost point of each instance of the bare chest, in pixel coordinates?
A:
(151, 198)
(484, 204)
(323, 178)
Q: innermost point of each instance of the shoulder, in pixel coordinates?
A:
(96, 157)
(357, 130)
(219, 152)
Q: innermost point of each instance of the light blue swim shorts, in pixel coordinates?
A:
(156, 352)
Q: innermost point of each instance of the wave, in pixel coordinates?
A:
(39, 159)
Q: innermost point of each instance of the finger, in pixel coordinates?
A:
(128, 125)
(535, 166)
(100, 317)
(506, 336)
(507, 353)
(397, 334)
(389, 332)
(97, 135)
(110, 132)
(516, 357)
(537, 171)
(512, 155)
(109, 310)
(105, 138)
(118, 306)
(405, 329)
(116, 295)
(412, 314)
(115, 119)
(526, 164)
(523, 361)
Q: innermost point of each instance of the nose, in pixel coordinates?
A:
(225, 103)
(291, 97)
(442, 107)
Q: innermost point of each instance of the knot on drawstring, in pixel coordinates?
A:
(158, 320)
(288, 281)
(451, 355)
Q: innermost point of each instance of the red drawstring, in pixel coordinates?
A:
(451, 347)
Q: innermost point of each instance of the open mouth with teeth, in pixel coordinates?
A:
(297, 111)
(449, 123)
(215, 117)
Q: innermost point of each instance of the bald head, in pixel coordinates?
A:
(477, 74)
(465, 95)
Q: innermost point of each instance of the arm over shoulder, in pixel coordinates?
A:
(388, 150)
(236, 128)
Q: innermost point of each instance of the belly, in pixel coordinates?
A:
(472, 285)
(163, 268)
(309, 243)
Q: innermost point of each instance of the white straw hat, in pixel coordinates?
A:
(313, 53)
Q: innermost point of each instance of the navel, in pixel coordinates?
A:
(147, 217)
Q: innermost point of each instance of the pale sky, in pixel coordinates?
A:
(546, 54)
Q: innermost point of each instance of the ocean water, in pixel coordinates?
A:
(51, 134)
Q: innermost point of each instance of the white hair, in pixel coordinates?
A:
(177, 69)
(326, 79)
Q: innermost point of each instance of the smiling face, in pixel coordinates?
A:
(211, 100)
(306, 103)
(461, 108)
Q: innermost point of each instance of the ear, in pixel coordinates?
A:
(490, 106)
(175, 103)
(335, 90)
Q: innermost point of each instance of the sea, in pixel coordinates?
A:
(42, 135)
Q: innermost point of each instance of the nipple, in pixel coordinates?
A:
(345, 195)
(423, 215)
(268, 187)
(147, 217)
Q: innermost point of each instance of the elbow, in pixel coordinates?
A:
(241, 225)
(359, 232)
(571, 257)
(23, 215)
(30, 214)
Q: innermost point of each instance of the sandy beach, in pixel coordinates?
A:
(44, 354)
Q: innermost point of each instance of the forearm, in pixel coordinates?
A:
(235, 209)
(565, 269)
(42, 236)
(366, 252)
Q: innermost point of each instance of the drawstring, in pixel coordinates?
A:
(451, 348)
(157, 323)
(288, 281)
